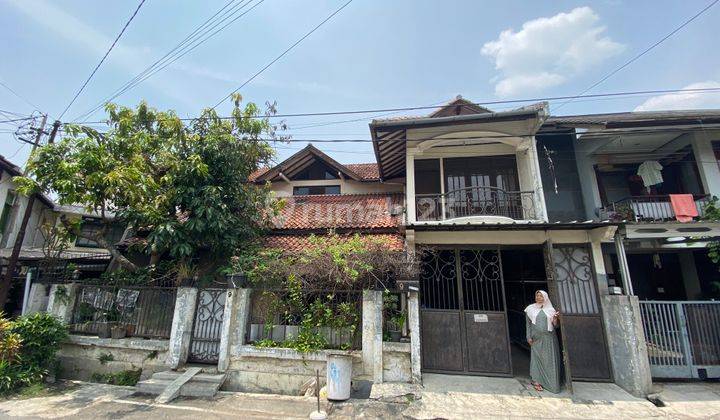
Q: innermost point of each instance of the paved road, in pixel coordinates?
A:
(497, 400)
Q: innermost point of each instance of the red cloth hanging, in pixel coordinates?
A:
(684, 207)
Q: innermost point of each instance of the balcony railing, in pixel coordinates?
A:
(648, 208)
(475, 201)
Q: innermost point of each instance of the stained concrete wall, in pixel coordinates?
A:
(279, 371)
(626, 344)
(80, 356)
(396, 362)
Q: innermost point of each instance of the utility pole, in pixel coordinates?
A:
(20, 237)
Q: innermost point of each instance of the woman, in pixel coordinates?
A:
(540, 324)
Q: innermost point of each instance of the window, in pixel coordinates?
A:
(486, 171)
(317, 170)
(317, 190)
(6, 210)
(90, 227)
(427, 176)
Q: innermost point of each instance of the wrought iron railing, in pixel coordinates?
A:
(648, 208)
(123, 311)
(277, 317)
(476, 201)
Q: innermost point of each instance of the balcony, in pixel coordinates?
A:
(648, 208)
(482, 201)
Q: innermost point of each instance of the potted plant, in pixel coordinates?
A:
(395, 327)
(110, 319)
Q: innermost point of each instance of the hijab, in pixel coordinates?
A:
(534, 309)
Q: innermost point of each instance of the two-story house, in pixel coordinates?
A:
(656, 172)
(475, 197)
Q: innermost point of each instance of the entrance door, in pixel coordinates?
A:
(205, 340)
(463, 319)
(574, 290)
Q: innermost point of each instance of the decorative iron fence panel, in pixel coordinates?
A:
(683, 338)
(575, 280)
(476, 201)
(209, 314)
(143, 311)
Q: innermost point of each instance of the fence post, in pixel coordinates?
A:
(181, 332)
(237, 306)
(37, 299)
(62, 301)
(372, 328)
(414, 325)
(685, 337)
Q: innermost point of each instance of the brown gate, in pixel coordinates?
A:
(463, 318)
(573, 289)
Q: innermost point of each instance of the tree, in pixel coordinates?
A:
(183, 185)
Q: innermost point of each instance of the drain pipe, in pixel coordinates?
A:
(623, 264)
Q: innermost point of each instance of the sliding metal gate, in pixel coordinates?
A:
(683, 338)
(205, 341)
(463, 320)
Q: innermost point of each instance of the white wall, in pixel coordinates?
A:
(347, 186)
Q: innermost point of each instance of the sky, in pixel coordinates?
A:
(374, 54)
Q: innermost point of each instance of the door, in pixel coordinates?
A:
(574, 293)
(463, 319)
(209, 313)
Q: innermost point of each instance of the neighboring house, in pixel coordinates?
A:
(84, 257)
(321, 194)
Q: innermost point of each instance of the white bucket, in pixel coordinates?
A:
(339, 375)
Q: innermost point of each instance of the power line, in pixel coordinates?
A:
(18, 95)
(646, 50)
(283, 53)
(507, 101)
(192, 41)
(102, 60)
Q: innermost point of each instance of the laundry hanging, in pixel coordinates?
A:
(650, 173)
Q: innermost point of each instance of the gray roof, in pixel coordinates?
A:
(638, 118)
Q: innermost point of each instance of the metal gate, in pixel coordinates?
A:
(463, 319)
(683, 338)
(205, 341)
(571, 280)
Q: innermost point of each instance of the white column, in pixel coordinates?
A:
(182, 324)
(410, 188)
(588, 178)
(623, 265)
(62, 301)
(37, 299)
(372, 325)
(414, 325)
(232, 334)
(706, 162)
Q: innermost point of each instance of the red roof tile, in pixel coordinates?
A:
(299, 242)
(369, 211)
(367, 171)
(253, 176)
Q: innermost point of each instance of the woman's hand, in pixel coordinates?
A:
(556, 318)
(530, 341)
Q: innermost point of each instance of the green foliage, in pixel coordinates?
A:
(128, 377)
(39, 337)
(61, 294)
(711, 212)
(182, 184)
(105, 357)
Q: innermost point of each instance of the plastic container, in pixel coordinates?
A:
(339, 376)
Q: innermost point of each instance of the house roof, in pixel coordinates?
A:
(347, 211)
(300, 161)
(638, 119)
(15, 170)
(367, 171)
(296, 243)
(389, 135)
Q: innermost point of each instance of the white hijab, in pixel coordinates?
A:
(534, 309)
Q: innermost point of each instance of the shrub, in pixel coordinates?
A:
(28, 348)
(126, 377)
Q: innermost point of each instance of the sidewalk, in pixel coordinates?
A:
(443, 396)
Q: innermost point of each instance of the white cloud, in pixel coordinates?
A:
(690, 100)
(546, 52)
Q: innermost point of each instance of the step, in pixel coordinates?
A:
(200, 377)
(152, 386)
(199, 389)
